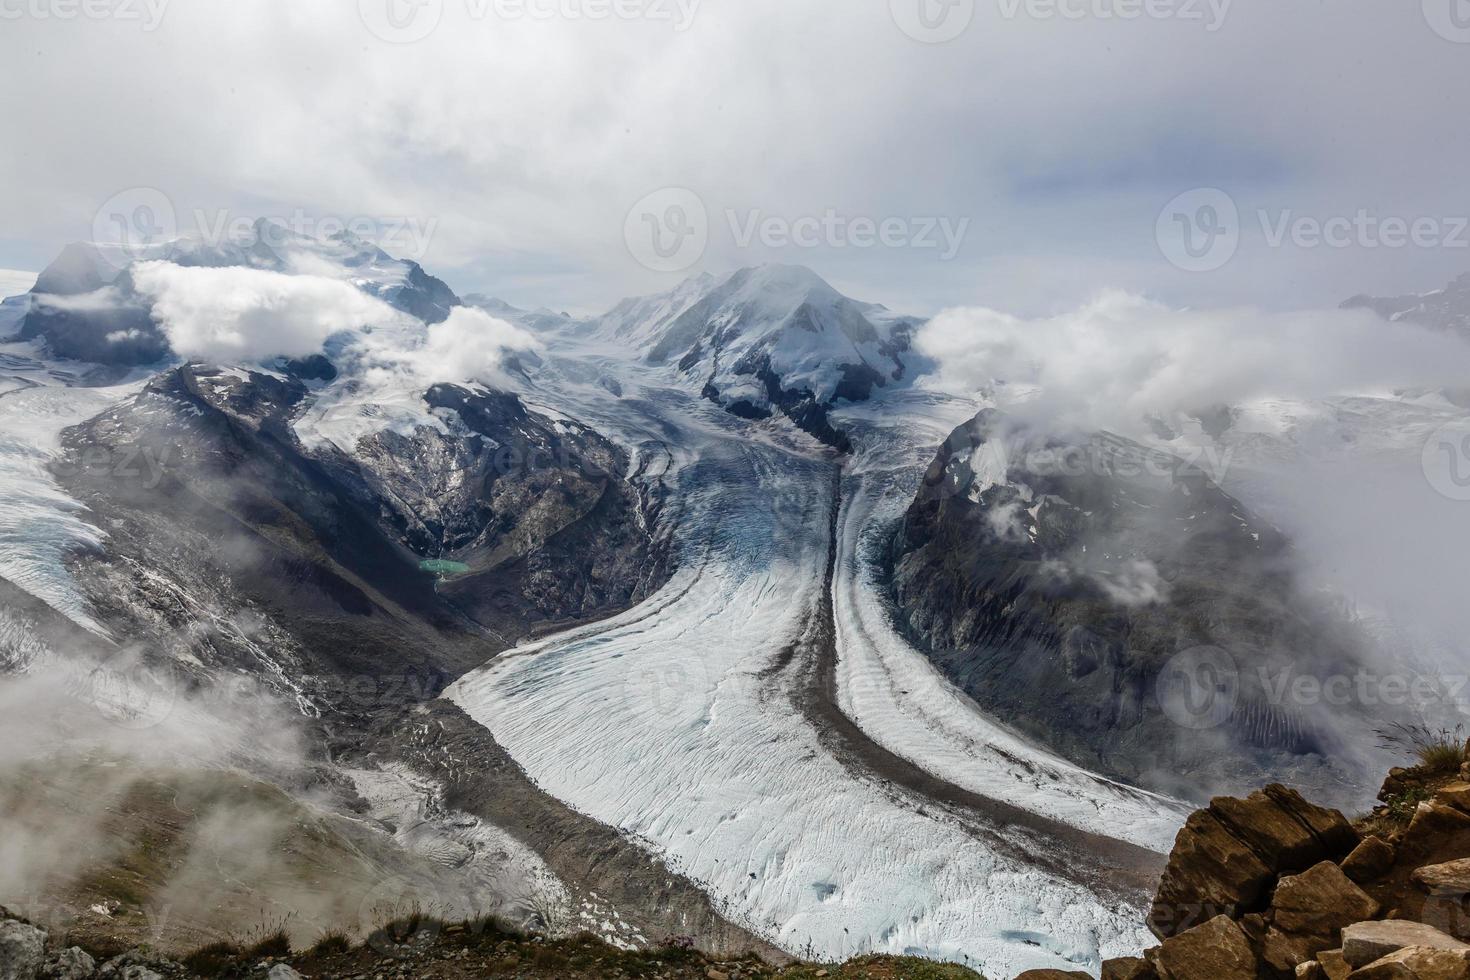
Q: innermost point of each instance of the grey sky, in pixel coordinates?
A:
(521, 132)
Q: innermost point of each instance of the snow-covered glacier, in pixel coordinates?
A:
(685, 722)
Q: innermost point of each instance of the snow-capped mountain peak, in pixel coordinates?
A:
(768, 338)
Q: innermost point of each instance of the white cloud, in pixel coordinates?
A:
(469, 347)
(235, 315)
(756, 105)
(1120, 358)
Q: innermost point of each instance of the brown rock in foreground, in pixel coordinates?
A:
(1320, 901)
(1370, 860)
(1128, 968)
(1416, 963)
(1217, 950)
(1227, 856)
(1364, 942)
(1449, 878)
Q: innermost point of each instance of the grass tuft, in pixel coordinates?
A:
(333, 942)
(1439, 750)
(213, 960)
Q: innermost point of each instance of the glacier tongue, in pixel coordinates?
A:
(678, 723)
(39, 523)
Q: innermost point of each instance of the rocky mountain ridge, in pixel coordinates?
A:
(1115, 603)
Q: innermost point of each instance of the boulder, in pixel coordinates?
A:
(1310, 970)
(281, 971)
(22, 950)
(1364, 942)
(1333, 964)
(1128, 968)
(1286, 953)
(69, 964)
(1433, 827)
(129, 966)
(1449, 878)
(1369, 861)
(1416, 963)
(1456, 794)
(1227, 856)
(1319, 902)
(1217, 950)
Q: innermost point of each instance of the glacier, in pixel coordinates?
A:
(681, 722)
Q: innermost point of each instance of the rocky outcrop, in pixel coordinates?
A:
(27, 953)
(1272, 886)
(22, 950)
(1117, 605)
(1229, 855)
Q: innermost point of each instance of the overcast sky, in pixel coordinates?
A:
(515, 136)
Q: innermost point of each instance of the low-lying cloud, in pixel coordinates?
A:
(1122, 358)
(240, 315)
(468, 347)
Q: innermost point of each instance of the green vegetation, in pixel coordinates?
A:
(441, 566)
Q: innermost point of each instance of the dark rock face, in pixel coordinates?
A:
(109, 324)
(1447, 309)
(232, 545)
(1114, 603)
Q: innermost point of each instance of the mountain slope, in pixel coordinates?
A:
(1117, 605)
(423, 542)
